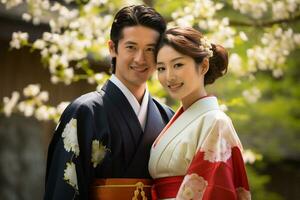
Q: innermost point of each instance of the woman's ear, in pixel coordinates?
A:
(204, 66)
(112, 49)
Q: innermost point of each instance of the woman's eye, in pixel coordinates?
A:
(178, 65)
(160, 69)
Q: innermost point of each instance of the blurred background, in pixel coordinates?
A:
(54, 51)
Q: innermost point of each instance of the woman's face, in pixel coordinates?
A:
(179, 76)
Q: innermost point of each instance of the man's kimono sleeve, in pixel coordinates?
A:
(217, 170)
(73, 154)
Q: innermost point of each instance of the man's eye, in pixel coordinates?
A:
(130, 47)
(150, 49)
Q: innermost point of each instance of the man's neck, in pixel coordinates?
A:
(138, 91)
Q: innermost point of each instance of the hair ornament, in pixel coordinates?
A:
(205, 46)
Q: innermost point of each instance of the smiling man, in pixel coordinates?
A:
(100, 150)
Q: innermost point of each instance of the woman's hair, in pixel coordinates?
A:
(189, 41)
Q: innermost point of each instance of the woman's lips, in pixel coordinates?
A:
(174, 87)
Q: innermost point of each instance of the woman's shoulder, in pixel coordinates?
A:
(217, 116)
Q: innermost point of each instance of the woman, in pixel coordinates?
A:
(198, 154)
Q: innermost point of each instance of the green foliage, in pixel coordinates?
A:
(258, 185)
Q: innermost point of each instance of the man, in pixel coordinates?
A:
(101, 147)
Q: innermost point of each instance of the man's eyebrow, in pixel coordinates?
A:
(152, 44)
(130, 42)
(134, 43)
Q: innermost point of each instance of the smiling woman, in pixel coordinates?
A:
(186, 62)
(198, 154)
(177, 73)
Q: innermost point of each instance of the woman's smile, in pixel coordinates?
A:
(175, 86)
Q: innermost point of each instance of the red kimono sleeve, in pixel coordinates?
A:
(217, 171)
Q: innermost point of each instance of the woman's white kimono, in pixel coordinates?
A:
(201, 145)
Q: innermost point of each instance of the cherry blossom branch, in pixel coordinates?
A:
(264, 23)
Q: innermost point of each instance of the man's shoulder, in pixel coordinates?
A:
(94, 97)
(86, 102)
(163, 108)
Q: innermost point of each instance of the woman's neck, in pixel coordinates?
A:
(192, 98)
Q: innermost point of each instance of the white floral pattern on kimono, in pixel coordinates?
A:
(193, 187)
(70, 175)
(70, 137)
(98, 152)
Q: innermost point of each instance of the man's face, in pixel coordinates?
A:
(135, 58)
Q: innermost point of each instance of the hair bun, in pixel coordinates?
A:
(218, 64)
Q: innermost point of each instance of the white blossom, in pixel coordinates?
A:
(252, 95)
(56, 61)
(10, 103)
(47, 36)
(41, 113)
(26, 17)
(43, 96)
(39, 44)
(277, 45)
(18, 39)
(69, 136)
(224, 34)
(185, 21)
(74, 33)
(254, 8)
(277, 73)
(31, 90)
(52, 112)
(54, 79)
(11, 3)
(200, 9)
(62, 106)
(53, 49)
(68, 75)
(250, 157)
(70, 175)
(235, 64)
(243, 36)
(27, 108)
(284, 9)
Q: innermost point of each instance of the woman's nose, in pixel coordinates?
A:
(171, 76)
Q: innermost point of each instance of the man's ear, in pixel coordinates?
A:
(204, 66)
(112, 49)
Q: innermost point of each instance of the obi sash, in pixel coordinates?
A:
(121, 188)
(167, 187)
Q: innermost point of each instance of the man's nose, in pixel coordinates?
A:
(140, 57)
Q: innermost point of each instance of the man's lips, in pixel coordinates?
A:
(139, 69)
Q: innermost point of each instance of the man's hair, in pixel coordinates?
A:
(133, 16)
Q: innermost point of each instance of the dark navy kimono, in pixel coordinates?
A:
(99, 136)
